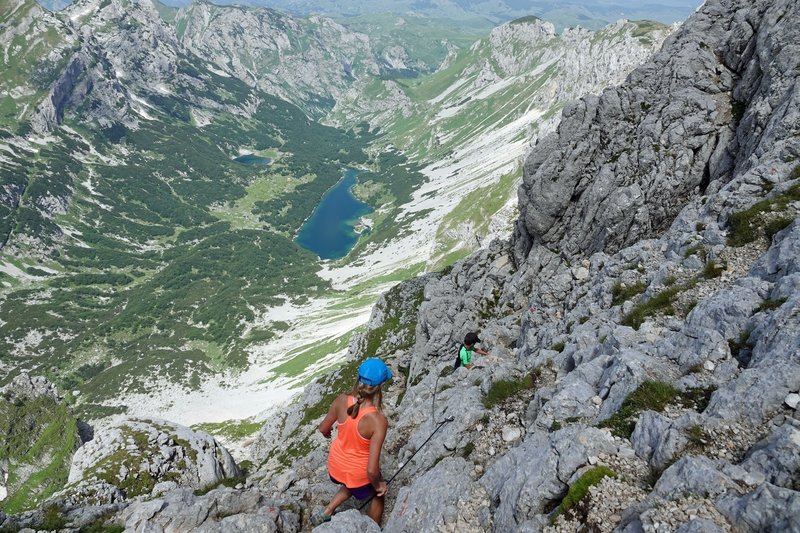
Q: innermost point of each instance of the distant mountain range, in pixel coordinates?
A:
(589, 14)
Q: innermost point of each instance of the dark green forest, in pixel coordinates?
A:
(148, 279)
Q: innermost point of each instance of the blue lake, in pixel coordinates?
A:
(330, 230)
(253, 160)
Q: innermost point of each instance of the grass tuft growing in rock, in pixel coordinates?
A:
(650, 395)
(578, 490)
(697, 249)
(748, 225)
(740, 348)
(660, 303)
(696, 435)
(52, 519)
(770, 305)
(621, 293)
(504, 389)
(714, 270)
(774, 226)
(468, 449)
(654, 396)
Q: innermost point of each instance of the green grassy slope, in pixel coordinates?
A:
(151, 270)
(39, 437)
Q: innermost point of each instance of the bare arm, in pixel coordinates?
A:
(380, 425)
(481, 352)
(331, 418)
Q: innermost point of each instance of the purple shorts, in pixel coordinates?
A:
(360, 493)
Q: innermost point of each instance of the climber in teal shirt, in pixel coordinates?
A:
(468, 348)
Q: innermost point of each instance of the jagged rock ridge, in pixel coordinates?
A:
(635, 272)
(622, 351)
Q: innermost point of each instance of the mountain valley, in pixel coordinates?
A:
(614, 211)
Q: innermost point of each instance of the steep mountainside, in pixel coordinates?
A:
(312, 62)
(137, 253)
(587, 14)
(505, 90)
(308, 62)
(129, 271)
(642, 378)
(656, 362)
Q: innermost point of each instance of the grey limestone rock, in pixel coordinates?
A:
(765, 389)
(422, 505)
(537, 471)
(626, 371)
(766, 509)
(694, 475)
(572, 400)
(777, 456)
(725, 312)
(693, 346)
(349, 522)
(135, 455)
(220, 510)
(26, 386)
(621, 166)
(782, 259)
(699, 525)
(656, 439)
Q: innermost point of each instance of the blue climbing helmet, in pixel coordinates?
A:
(373, 372)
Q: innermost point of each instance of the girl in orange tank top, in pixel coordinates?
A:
(354, 456)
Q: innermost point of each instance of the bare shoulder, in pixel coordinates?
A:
(379, 419)
(341, 400)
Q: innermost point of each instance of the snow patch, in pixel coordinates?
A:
(218, 72)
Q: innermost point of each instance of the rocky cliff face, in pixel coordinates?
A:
(309, 62)
(642, 323)
(506, 90)
(645, 367)
(625, 163)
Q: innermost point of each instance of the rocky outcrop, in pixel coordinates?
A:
(649, 289)
(309, 62)
(25, 386)
(651, 286)
(145, 457)
(38, 433)
(622, 165)
(221, 510)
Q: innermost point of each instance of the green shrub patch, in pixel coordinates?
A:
(504, 389)
(578, 490)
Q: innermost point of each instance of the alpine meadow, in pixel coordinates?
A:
(215, 219)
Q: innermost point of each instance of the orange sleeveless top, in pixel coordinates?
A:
(349, 453)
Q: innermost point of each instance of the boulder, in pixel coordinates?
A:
(220, 511)
(693, 475)
(426, 502)
(27, 386)
(768, 508)
(536, 473)
(656, 439)
(777, 456)
(134, 456)
(350, 521)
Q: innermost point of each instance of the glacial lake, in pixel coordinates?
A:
(330, 230)
(253, 160)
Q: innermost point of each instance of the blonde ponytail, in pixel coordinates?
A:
(361, 392)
